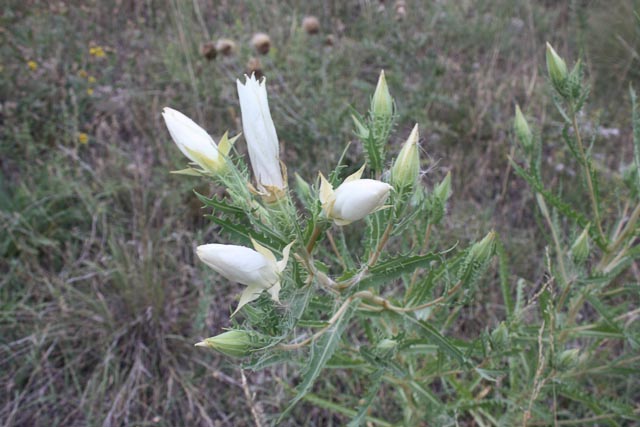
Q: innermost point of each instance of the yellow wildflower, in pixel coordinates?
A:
(90, 91)
(83, 138)
(97, 51)
(82, 74)
(33, 65)
(91, 79)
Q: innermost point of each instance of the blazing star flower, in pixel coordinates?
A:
(354, 199)
(195, 142)
(257, 269)
(261, 137)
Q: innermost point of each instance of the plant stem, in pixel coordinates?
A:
(330, 323)
(425, 244)
(313, 239)
(383, 241)
(556, 241)
(585, 164)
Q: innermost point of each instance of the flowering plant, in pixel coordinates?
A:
(370, 285)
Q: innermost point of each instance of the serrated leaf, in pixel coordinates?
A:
(421, 291)
(561, 206)
(219, 205)
(367, 400)
(392, 269)
(321, 352)
(269, 240)
(437, 338)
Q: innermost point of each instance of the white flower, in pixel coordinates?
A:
(354, 199)
(195, 142)
(261, 137)
(257, 269)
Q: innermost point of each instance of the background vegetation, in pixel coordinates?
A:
(101, 295)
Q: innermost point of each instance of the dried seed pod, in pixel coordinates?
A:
(401, 10)
(330, 40)
(311, 25)
(208, 50)
(225, 47)
(261, 42)
(254, 66)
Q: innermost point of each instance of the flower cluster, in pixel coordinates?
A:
(258, 268)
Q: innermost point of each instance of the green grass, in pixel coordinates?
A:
(101, 294)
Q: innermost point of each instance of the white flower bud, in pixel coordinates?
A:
(195, 142)
(382, 102)
(257, 269)
(261, 137)
(406, 168)
(580, 248)
(522, 130)
(354, 199)
(556, 68)
(234, 343)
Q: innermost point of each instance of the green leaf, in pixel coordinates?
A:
(269, 240)
(503, 272)
(560, 205)
(219, 205)
(321, 352)
(331, 406)
(392, 269)
(635, 118)
(421, 291)
(367, 400)
(436, 337)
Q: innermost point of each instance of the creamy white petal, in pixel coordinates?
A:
(260, 133)
(358, 198)
(189, 137)
(240, 264)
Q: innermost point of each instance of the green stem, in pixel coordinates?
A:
(585, 165)
(383, 241)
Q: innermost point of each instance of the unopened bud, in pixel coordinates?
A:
(361, 130)
(303, 188)
(484, 249)
(234, 343)
(557, 69)
(438, 199)
(500, 337)
(522, 130)
(406, 168)
(580, 248)
(387, 344)
(568, 359)
(382, 102)
(443, 190)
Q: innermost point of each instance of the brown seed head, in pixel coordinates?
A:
(311, 24)
(401, 10)
(261, 43)
(254, 66)
(208, 50)
(330, 40)
(225, 47)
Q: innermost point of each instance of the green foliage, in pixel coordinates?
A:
(392, 320)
